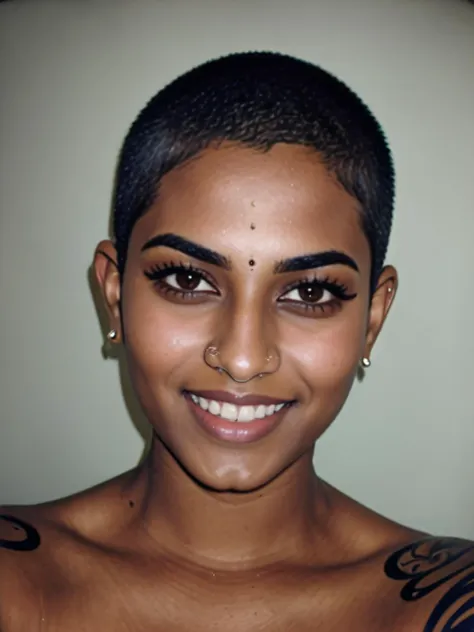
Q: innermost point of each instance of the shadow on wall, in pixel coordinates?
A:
(117, 353)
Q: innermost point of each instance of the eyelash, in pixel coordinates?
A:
(338, 290)
(160, 271)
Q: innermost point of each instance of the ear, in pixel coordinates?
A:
(381, 302)
(108, 278)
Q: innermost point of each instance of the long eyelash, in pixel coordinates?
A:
(339, 290)
(161, 270)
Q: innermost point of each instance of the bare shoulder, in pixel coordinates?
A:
(432, 579)
(28, 533)
(16, 534)
(46, 548)
(22, 564)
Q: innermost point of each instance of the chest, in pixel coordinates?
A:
(179, 603)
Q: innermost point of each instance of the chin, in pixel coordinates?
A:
(235, 476)
(232, 484)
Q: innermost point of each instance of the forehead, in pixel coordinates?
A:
(285, 194)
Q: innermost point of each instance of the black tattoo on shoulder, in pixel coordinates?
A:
(427, 565)
(30, 541)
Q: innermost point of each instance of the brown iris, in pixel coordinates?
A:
(310, 293)
(188, 280)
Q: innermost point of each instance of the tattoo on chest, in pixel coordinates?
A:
(428, 565)
(30, 539)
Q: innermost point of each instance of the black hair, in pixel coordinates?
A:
(258, 99)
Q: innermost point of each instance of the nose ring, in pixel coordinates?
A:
(211, 358)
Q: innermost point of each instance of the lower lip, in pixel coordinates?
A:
(234, 431)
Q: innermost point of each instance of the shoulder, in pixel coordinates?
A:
(43, 535)
(22, 563)
(17, 534)
(432, 578)
(47, 552)
(46, 549)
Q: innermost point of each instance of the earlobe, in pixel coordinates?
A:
(381, 303)
(108, 278)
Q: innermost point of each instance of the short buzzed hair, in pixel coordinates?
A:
(258, 99)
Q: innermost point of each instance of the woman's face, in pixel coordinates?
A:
(260, 259)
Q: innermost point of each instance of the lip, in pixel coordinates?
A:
(233, 431)
(240, 400)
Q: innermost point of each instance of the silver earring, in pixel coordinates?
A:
(366, 362)
(112, 335)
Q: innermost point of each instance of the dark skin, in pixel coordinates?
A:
(212, 534)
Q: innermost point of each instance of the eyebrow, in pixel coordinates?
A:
(315, 260)
(293, 264)
(190, 248)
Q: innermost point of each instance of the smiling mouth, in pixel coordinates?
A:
(235, 413)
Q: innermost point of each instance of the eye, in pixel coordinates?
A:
(321, 296)
(181, 280)
(309, 293)
(188, 281)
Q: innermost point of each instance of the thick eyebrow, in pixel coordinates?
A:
(315, 260)
(190, 248)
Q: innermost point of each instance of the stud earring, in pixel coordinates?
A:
(366, 362)
(112, 335)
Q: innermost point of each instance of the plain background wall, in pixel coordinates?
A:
(73, 76)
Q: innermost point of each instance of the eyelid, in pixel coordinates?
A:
(164, 269)
(302, 301)
(159, 271)
(338, 289)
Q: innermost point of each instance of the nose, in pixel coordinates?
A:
(245, 347)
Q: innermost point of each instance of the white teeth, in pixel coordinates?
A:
(231, 412)
(246, 413)
(260, 412)
(214, 407)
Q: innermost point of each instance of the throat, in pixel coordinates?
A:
(228, 530)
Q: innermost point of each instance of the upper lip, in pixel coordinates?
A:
(239, 399)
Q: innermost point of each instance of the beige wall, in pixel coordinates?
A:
(75, 73)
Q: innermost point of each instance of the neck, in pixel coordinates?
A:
(279, 521)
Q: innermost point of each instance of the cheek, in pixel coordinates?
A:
(327, 355)
(162, 339)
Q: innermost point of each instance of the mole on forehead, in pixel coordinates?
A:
(251, 263)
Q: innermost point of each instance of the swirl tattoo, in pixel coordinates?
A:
(427, 565)
(31, 540)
